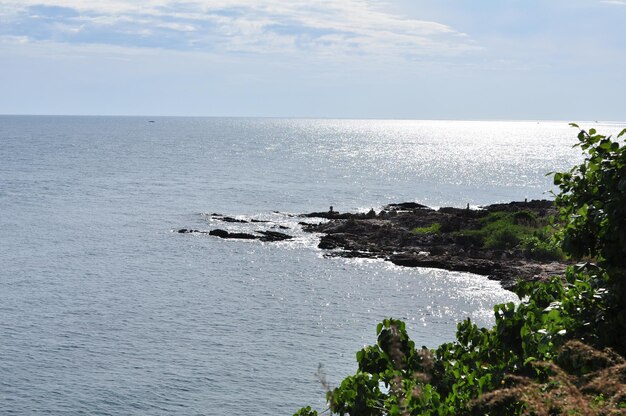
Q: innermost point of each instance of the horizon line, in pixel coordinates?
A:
(321, 118)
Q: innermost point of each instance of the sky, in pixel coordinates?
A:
(397, 59)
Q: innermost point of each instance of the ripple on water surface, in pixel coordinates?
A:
(104, 310)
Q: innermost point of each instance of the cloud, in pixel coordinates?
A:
(320, 27)
(615, 2)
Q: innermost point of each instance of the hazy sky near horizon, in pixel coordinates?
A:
(419, 59)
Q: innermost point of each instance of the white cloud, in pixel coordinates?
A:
(615, 2)
(339, 27)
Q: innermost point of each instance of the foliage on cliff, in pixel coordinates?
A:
(558, 352)
(516, 230)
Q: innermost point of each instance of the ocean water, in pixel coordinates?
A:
(105, 310)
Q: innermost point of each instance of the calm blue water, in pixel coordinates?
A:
(104, 310)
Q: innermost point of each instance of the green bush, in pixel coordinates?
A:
(592, 203)
(526, 218)
(504, 237)
(395, 378)
(502, 230)
(434, 228)
(541, 249)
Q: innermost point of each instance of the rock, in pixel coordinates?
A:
(225, 234)
(273, 236)
(328, 242)
(403, 206)
(483, 267)
(231, 219)
(219, 233)
(534, 205)
(243, 236)
(265, 235)
(188, 231)
(334, 215)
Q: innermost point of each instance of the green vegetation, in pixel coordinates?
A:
(434, 228)
(593, 207)
(542, 248)
(511, 230)
(545, 356)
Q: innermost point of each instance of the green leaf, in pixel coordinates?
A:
(529, 360)
(575, 125)
(558, 177)
(621, 133)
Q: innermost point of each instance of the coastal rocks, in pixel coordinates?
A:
(225, 234)
(457, 264)
(231, 219)
(410, 234)
(405, 206)
(413, 235)
(191, 231)
(268, 236)
(242, 229)
(273, 236)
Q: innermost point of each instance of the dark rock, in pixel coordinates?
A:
(330, 215)
(231, 219)
(265, 235)
(243, 236)
(403, 206)
(329, 242)
(219, 233)
(483, 267)
(309, 228)
(253, 220)
(273, 236)
(188, 231)
(534, 205)
(437, 250)
(225, 234)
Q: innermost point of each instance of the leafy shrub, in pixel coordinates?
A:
(434, 228)
(542, 249)
(525, 218)
(592, 203)
(394, 378)
(306, 411)
(592, 200)
(502, 230)
(505, 237)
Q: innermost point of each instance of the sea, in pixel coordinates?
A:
(105, 309)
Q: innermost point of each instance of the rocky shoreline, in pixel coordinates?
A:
(413, 235)
(389, 235)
